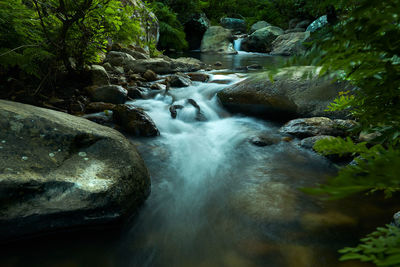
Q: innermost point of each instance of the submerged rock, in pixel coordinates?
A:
(135, 121)
(60, 172)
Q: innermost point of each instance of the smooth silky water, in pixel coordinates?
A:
(217, 199)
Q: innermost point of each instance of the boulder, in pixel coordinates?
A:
(150, 76)
(295, 92)
(99, 75)
(195, 28)
(261, 40)
(318, 24)
(259, 25)
(179, 81)
(134, 54)
(235, 25)
(135, 121)
(186, 64)
(218, 40)
(290, 44)
(61, 172)
(316, 126)
(119, 59)
(165, 65)
(114, 94)
(199, 77)
(134, 92)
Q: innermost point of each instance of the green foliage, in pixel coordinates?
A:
(172, 35)
(381, 247)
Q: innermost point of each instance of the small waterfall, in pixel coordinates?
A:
(237, 43)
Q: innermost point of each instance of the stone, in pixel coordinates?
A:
(263, 141)
(259, 25)
(314, 126)
(235, 25)
(261, 40)
(165, 65)
(309, 142)
(195, 28)
(103, 118)
(290, 44)
(318, 24)
(156, 86)
(119, 59)
(135, 121)
(199, 77)
(99, 75)
(150, 76)
(174, 110)
(134, 54)
(218, 40)
(114, 94)
(134, 92)
(99, 107)
(294, 92)
(179, 81)
(61, 172)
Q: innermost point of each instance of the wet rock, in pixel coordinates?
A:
(315, 126)
(61, 172)
(261, 40)
(295, 92)
(262, 141)
(221, 81)
(103, 118)
(235, 25)
(193, 103)
(99, 75)
(290, 44)
(114, 94)
(150, 76)
(179, 81)
(135, 121)
(199, 77)
(199, 115)
(156, 86)
(99, 107)
(218, 40)
(218, 64)
(259, 25)
(165, 65)
(137, 78)
(174, 110)
(134, 92)
(134, 54)
(309, 142)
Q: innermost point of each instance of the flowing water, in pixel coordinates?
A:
(217, 199)
(237, 44)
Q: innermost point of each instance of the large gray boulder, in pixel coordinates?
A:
(290, 44)
(259, 25)
(218, 40)
(119, 59)
(235, 25)
(114, 94)
(261, 40)
(294, 92)
(60, 172)
(99, 75)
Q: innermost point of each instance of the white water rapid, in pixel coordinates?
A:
(237, 44)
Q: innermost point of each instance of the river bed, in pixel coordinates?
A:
(217, 199)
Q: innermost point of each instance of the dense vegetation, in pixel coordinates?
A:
(39, 38)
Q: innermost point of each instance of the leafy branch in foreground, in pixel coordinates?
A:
(381, 247)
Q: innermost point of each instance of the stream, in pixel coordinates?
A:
(217, 199)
